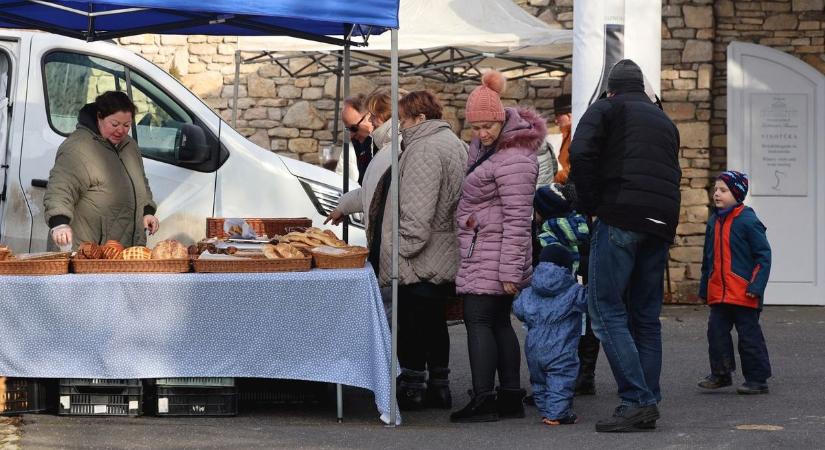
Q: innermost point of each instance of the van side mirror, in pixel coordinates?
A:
(190, 145)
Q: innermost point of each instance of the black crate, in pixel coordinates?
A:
(262, 391)
(101, 398)
(26, 395)
(195, 401)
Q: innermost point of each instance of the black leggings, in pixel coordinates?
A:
(492, 343)
(423, 340)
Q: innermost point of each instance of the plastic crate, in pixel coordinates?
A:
(196, 382)
(101, 398)
(261, 391)
(195, 401)
(24, 395)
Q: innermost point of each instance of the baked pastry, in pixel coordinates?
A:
(5, 252)
(169, 249)
(281, 251)
(112, 249)
(89, 250)
(137, 253)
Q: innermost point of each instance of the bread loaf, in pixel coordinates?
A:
(89, 250)
(281, 251)
(169, 249)
(112, 250)
(137, 253)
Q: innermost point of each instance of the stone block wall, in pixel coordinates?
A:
(294, 117)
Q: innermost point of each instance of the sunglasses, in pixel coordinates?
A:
(354, 128)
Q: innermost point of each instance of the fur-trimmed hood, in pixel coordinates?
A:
(523, 127)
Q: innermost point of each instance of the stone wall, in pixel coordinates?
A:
(695, 37)
(294, 117)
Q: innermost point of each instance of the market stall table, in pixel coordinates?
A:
(321, 325)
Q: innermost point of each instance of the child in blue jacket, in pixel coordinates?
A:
(552, 309)
(735, 269)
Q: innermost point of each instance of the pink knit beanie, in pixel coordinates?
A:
(484, 103)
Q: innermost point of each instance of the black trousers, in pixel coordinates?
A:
(753, 352)
(423, 340)
(588, 354)
(492, 343)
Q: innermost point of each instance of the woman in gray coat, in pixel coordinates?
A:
(431, 169)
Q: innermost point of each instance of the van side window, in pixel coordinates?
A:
(74, 79)
(158, 120)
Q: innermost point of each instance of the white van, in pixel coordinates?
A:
(197, 165)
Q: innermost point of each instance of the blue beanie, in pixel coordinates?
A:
(558, 255)
(737, 182)
(549, 202)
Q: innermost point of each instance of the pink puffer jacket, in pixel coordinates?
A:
(496, 208)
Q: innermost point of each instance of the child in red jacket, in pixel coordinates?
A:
(735, 269)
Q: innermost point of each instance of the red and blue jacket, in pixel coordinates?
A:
(736, 260)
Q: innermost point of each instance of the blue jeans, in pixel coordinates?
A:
(624, 300)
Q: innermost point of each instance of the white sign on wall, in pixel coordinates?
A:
(779, 136)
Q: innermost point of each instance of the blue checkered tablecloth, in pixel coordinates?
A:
(322, 325)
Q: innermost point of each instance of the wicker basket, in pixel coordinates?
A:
(35, 267)
(354, 259)
(268, 226)
(252, 265)
(130, 266)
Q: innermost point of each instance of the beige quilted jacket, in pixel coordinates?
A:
(431, 171)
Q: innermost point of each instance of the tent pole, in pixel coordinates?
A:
(336, 126)
(395, 209)
(235, 89)
(347, 138)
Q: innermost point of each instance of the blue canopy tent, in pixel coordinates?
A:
(338, 22)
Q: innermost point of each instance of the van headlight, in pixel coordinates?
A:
(325, 198)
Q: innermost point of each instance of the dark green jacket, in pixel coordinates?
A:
(99, 189)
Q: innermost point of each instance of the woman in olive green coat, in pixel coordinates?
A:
(98, 189)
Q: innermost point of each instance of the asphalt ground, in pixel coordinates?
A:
(791, 416)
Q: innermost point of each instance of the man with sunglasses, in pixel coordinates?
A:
(356, 119)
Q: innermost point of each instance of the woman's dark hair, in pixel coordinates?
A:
(420, 102)
(111, 102)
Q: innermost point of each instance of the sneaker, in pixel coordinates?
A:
(715, 381)
(627, 417)
(568, 420)
(647, 425)
(753, 388)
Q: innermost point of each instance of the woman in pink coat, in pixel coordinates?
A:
(493, 218)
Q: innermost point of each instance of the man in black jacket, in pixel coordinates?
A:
(625, 166)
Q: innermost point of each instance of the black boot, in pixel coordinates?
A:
(482, 408)
(411, 389)
(509, 403)
(588, 354)
(438, 389)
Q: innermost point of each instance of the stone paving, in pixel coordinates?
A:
(9, 433)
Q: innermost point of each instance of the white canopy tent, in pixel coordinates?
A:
(485, 25)
(445, 40)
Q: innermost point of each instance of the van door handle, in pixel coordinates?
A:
(40, 183)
